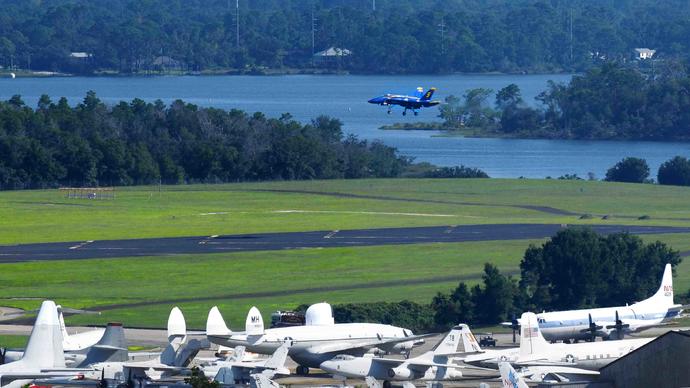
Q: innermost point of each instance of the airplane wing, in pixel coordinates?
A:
(365, 344)
(392, 362)
(556, 373)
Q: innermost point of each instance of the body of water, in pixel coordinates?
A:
(345, 97)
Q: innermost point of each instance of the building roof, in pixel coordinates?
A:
(683, 333)
(80, 54)
(333, 52)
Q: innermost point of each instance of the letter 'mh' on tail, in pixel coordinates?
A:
(254, 325)
(44, 349)
(531, 339)
(428, 94)
(509, 377)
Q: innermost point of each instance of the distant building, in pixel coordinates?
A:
(331, 55)
(80, 55)
(644, 53)
(165, 62)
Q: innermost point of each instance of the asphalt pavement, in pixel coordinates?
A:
(90, 249)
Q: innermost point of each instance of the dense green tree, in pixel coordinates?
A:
(632, 170)
(578, 268)
(675, 172)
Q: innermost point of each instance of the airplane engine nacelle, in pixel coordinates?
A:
(453, 374)
(403, 347)
(400, 373)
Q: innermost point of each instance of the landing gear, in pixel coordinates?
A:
(415, 112)
(405, 112)
(302, 370)
(387, 384)
(389, 110)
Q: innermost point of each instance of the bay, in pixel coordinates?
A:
(345, 97)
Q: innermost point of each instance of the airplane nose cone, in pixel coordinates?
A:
(376, 100)
(328, 366)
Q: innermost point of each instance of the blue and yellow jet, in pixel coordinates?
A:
(413, 102)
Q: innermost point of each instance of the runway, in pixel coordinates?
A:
(297, 240)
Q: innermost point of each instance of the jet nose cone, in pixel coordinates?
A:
(327, 366)
(376, 100)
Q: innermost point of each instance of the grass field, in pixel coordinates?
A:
(13, 341)
(284, 279)
(45, 215)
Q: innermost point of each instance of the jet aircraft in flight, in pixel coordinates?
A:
(419, 99)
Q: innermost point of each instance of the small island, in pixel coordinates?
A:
(610, 102)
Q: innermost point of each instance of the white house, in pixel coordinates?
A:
(644, 53)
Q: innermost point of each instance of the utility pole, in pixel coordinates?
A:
(442, 30)
(571, 35)
(313, 35)
(237, 22)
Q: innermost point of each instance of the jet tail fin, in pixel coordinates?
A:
(469, 342)
(254, 325)
(44, 349)
(177, 334)
(531, 339)
(428, 94)
(215, 324)
(449, 343)
(509, 377)
(278, 358)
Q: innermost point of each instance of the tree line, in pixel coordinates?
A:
(611, 101)
(409, 36)
(577, 268)
(135, 143)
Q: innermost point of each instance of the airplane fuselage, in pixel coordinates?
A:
(361, 367)
(565, 325)
(308, 341)
(585, 355)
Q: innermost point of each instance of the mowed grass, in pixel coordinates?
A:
(271, 280)
(13, 341)
(201, 210)
(383, 273)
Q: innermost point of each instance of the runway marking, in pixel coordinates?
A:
(369, 213)
(213, 213)
(208, 239)
(329, 235)
(81, 245)
(450, 229)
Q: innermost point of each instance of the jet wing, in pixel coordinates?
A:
(365, 344)
(557, 373)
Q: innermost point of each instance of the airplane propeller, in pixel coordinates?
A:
(592, 329)
(102, 383)
(619, 326)
(3, 351)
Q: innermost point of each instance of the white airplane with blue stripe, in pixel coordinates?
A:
(612, 322)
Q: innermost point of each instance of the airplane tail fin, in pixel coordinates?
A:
(531, 339)
(177, 334)
(278, 358)
(664, 296)
(509, 377)
(449, 343)
(215, 324)
(112, 347)
(254, 325)
(428, 94)
(44, 349)
(469, 342)
(63, 327)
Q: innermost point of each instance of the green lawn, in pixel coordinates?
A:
(45, 215)
(13, 341)
(285, 279)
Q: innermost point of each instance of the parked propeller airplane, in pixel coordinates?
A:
(413, 102)
(319, 340)
(611, 322)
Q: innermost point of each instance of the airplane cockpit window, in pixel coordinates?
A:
(407, 332)
(541, 320)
